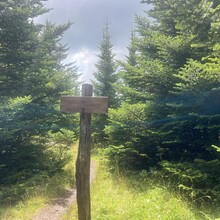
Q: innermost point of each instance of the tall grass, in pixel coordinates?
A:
(40, 189)
(115, 196)
(118, 197)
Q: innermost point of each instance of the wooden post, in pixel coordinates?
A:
(83, 161)
(86, 105)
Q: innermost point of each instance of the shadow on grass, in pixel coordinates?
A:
(32, 170)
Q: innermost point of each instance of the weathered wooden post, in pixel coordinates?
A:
(86, 105)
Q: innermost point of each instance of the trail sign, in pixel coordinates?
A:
(86, 105)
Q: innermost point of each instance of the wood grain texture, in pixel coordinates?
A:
(85, 104)
(83, 162)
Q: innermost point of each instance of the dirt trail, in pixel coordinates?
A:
(58, 207)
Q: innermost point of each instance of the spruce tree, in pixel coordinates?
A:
(131, 58)
(104, 83)
(33, 76)
(105, 76)
(175, 87)
(177, 78)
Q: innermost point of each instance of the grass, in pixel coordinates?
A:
(133, 197)
(23, 210)
(38, 191)
(118, 196)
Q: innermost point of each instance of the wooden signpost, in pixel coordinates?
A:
(86, 105)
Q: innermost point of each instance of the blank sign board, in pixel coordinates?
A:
(85, 104)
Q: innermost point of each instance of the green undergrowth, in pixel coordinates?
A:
(135, 196)
(20, 201)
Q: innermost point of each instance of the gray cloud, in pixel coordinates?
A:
(88, 17)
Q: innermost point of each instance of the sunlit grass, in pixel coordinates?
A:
(121, 196)
(116, 200)
(114, 197)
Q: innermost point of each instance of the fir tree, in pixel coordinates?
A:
(131, 58)
(170, 119)
(32, 79)
(105, 76)
(177, 78)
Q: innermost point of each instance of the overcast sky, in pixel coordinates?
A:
(88, 17)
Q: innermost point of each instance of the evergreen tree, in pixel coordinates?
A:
(32, 79)
(177, 78)
(104, 83)
(175, 85)
(131, 58)
(105, 76)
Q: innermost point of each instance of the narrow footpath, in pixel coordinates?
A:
(58, 207)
